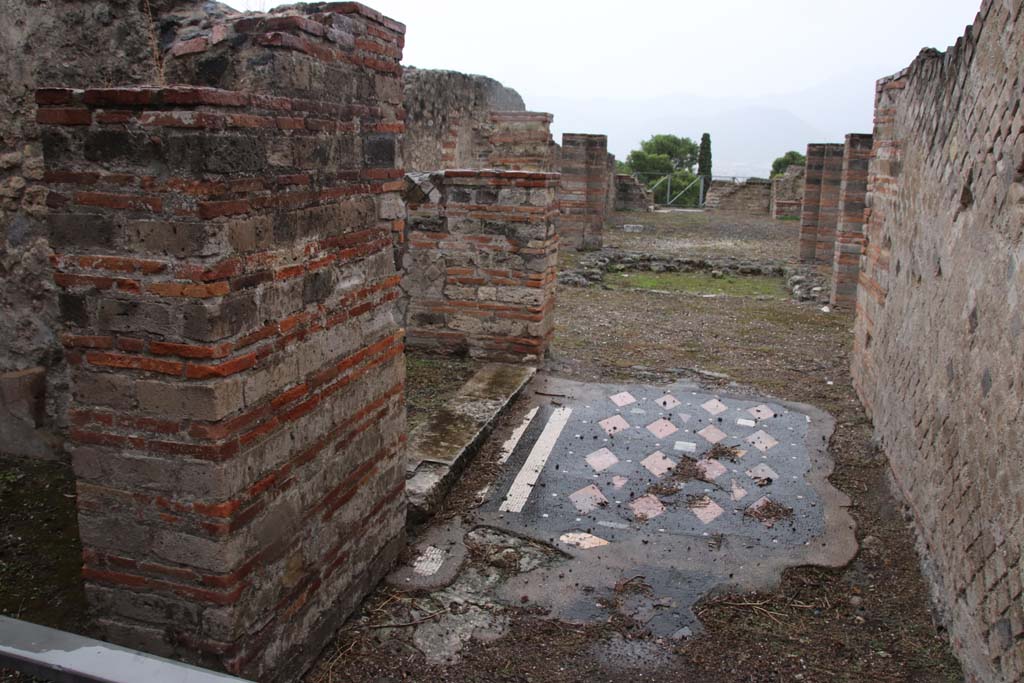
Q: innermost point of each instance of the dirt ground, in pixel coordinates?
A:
(870, 621)
(867, 622)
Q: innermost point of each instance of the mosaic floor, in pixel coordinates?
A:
(653, 497)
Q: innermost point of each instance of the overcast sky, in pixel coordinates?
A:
(795, 69)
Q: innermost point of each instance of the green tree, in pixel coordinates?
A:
(682, 152)
(704, 159)
(790, 158)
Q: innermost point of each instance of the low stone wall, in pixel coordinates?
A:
(480, 262)
(226, 282)
(939, 317)
(583, 191)
(631, 195)
(788, 193)
(751, 197)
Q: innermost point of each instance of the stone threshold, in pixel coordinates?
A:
(440, 448)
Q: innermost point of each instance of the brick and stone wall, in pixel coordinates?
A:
(223, 257)
(788, 193)
(583, 191)
(443, 111)
(937, 355)
(631, 195)
(33, 375)
(849, 240)
(517, 141)
(820, 211)
(480, 262)
(752, 196)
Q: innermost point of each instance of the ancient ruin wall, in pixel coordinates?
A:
(752, 197)
(481, 263)
(583, 191)
(849, 240)
(227, 286)
(788, 193)
(44, 46)
(820, 210)
(937, 356)
(443, 109)
(631, 195)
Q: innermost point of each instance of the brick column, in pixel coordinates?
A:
(227, 287)
(828, 206)
(583, 191)
(811, 202)
(481, 263)
(850, 229)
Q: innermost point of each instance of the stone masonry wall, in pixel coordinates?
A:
(227, 302)
(443, 109)
(849, 241)
(583, 191)
(481, 261)
(35, 47)
(631, 195)
(820, 211)
(788, 193)
(516, 141)
(752, 196)
(940, 314)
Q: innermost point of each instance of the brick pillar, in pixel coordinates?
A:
(583, 191)
(811, 202)
(227, 286)
(849, 242)
(828, 212)
(481, 263)
(518, 141)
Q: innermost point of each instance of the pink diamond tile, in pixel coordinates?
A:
(737, 492)
(588, 499)
(706, 510)
(714, 406)
(762, 412)
(618, 482)
(762, 471)
(757, 505)
(668, 402)
(614, 424)
(601, 460)
(711, 469)
(657, 463)
(647, 507)
(582, 540)
(662, 428)
(623, 399)
(712, 434)
(762, 441)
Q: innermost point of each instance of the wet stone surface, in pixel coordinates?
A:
(628, 504)
(688, 490)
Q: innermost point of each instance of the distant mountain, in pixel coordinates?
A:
(747, 134)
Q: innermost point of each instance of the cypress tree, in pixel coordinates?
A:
(704, 159)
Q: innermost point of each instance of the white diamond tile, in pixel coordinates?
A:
(762, 412)
(711, 469)
(706, 509)
(669, 402)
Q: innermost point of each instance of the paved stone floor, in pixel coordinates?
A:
(644, 500)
